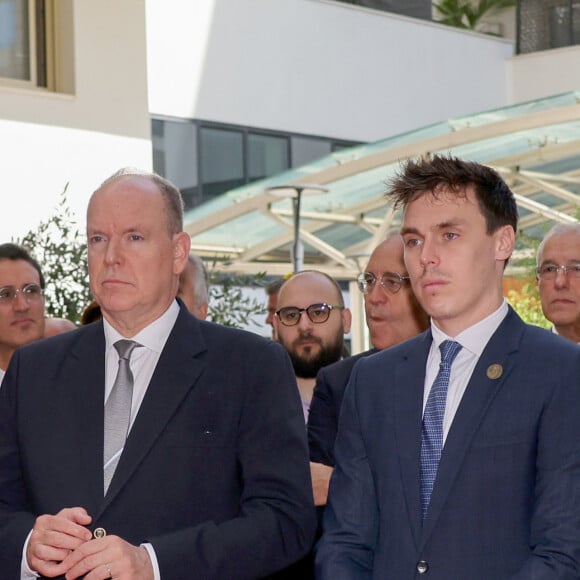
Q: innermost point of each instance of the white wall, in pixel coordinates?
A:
(316, 66)
(545, 73)
(49, 139)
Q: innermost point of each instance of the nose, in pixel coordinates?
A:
(561, 279)
(376, 294)
(20, 302)
(112, 251)
(428, 256)
(304, 321)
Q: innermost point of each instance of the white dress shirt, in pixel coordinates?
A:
(473, 341)
(144, 359)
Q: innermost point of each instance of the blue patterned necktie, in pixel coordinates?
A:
(432, 431)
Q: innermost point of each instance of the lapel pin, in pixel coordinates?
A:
(99, 533)
(494, 371)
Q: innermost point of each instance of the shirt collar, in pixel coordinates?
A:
(154, 336)
(476, 337)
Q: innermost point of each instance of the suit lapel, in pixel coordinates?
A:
(474, 405)
(82, 405)
(410, 381)
(175, 374)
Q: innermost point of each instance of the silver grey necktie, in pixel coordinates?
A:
(118, 410)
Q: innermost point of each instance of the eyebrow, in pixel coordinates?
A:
(452, 223)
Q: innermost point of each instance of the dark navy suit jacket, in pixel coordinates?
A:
(506, 501)
(325, 407)
(215, 469)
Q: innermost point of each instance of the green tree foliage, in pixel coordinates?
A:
(61, 251)
(526, 302)
(468, 14)
(229, 304)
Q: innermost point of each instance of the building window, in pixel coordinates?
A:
(207, 159)
(24, 42)
(222, 160)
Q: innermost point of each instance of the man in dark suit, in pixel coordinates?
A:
(392, 316)
(212, 480)
(465, 467)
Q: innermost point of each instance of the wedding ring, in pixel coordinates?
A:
(110, 574)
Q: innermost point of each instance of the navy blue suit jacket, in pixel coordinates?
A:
(506, 501)
(331, 382)
(215, 469)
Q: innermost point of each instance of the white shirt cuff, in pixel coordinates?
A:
(154, 562)
(26, 572)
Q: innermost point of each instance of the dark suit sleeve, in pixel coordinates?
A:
(555, 525)
(15, 519)
(345, 550)
(276, 519)
(322, 421)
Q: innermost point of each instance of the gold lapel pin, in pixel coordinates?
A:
(494, 371)
(99, 533)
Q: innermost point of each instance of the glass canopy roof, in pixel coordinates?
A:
(534, 145)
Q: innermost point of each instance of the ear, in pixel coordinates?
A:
(346, 320)
(505, 241)
(202, 311)
(181, 246)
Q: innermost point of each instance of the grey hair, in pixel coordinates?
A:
(557, 230)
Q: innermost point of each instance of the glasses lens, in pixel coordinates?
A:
(7, 293)
(391, 283)
(574, 270)
(366, 282)
(289, 316)
(32, 291)
(318, 313)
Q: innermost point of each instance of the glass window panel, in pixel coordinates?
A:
(222, 160)
(14, 40)
(267, 155)
(305, 150)
(175, 157)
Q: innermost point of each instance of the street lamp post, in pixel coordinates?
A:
(296, 192)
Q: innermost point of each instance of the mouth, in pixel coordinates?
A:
(433, 284)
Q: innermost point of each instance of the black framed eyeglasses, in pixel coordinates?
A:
(390, 281)
(31, 293)
(549, 272)
(317, 313)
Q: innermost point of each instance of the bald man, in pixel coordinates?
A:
(310, 324)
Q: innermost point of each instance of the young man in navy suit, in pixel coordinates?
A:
(212, 480)
(458, 452)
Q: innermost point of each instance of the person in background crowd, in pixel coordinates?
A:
(272, 290)
(150, 444)
(193, 287)
(54, 326)
(393, 315)
(91, 313)
(558, 272)
(310, 324)
(457, 452)
(21, 301)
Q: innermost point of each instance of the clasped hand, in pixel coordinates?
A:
(61, 545)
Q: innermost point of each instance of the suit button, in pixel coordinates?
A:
(422, 567)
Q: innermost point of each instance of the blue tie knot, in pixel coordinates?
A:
(449, 350)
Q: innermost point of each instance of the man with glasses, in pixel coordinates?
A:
(392, 316)
(558, 274)
(310, 324)
(21, 301)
